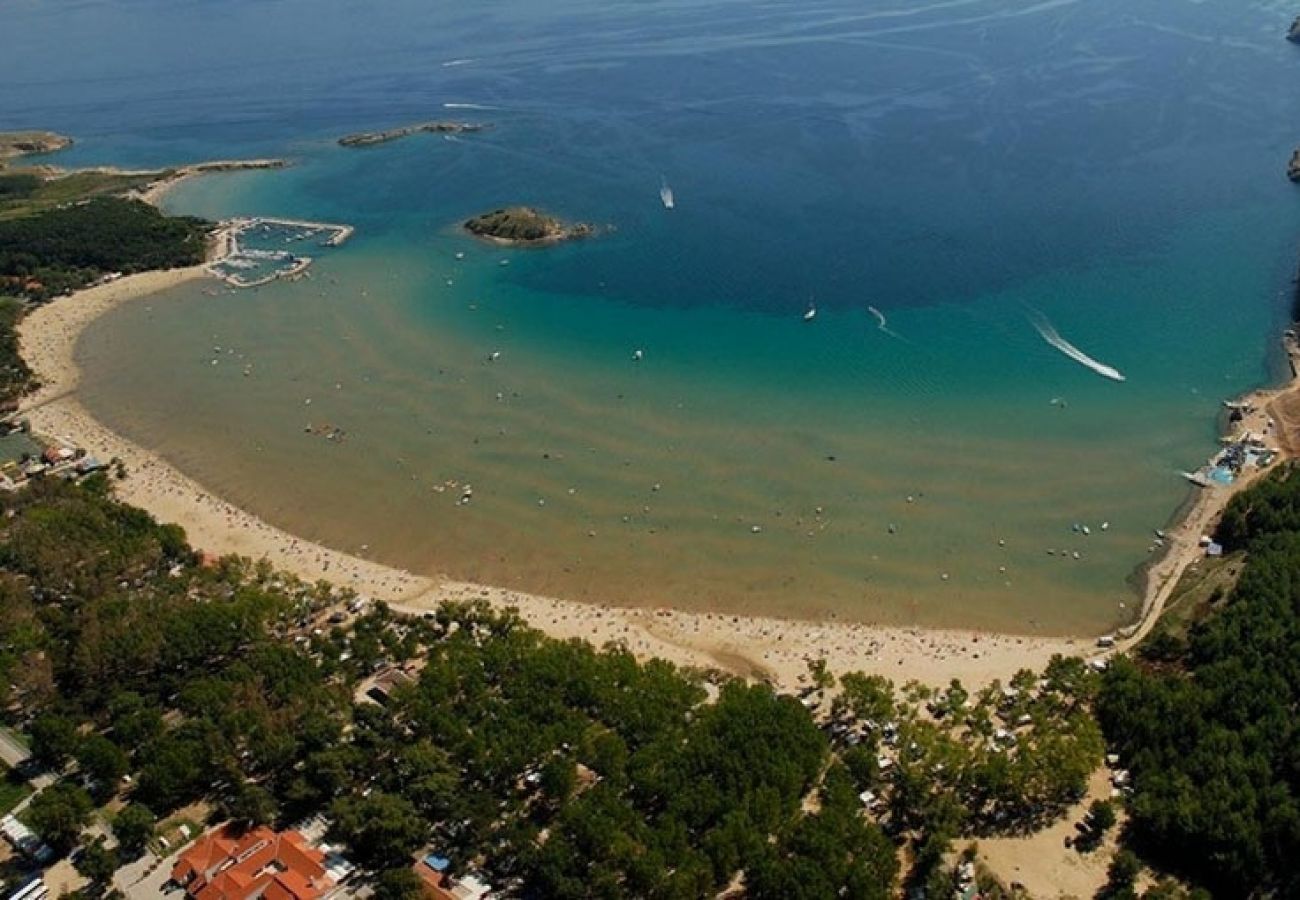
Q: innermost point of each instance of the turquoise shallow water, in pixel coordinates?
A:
(963, 167)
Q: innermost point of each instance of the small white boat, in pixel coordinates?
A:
(638, 355)
(810, 313)
(666, 194)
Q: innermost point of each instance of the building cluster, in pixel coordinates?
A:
(24, 456)
(228, 863)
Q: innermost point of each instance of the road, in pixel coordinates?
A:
(13, 751)
(144, 878)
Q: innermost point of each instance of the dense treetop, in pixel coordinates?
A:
(554, 768)
(64, 248)
(1213, 740)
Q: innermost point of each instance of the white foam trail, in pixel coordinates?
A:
(457, 62)
(881, 323)
(468, 106)
(1050, 335)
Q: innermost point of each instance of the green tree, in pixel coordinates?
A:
(558, 779)
(1121, 877)
(819, 675)
(58, 814)
(867, 698)
(1100, 819)
(102, 762)
(54, 739)
(399, 884)
(134, 828)
(96, 862)
(251, 805)
(382, 829)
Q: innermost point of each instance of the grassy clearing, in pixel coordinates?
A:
(1202, 589)
(13, 790)
(20, 197)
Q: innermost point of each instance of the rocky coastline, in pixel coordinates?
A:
(27, 143)
(525, 226)
(371, 138)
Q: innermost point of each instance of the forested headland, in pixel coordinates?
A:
(1208, 723)
(55, 251)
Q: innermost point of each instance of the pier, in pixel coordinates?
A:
(249, 259)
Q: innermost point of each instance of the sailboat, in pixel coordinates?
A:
(666, 193)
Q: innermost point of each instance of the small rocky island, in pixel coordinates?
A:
(370, 138)
(1294, 34)
(1293, 167)
(26, 143)
(525, 225)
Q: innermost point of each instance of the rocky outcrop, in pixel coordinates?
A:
(1294, 34)
(370, 138)
(1293, 167)
(525, 225)
(25, 143)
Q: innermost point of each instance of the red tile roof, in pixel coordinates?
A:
(226, 864)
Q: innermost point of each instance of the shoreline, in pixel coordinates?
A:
(154, 193)
(770, 648)
(761, 647)
(1160, 578)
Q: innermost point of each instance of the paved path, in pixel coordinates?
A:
(144, 878)
(13, 751)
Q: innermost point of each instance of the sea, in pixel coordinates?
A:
(650, 416)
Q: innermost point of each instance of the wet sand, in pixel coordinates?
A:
(1274, 419)
(766, 647)
(759, 647)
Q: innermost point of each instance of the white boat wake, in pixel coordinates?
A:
(1049, 334)
(452, 63)
(666, 193)
(468, 106)
(882, 324)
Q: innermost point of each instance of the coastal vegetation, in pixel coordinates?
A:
(370, 138)
(1206, 723)
(59, 250)
(15, 374)
(26, 192)
(524, 225)
(554, 768)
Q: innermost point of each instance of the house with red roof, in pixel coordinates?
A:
(231, 864)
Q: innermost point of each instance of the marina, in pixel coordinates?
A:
(256, 249)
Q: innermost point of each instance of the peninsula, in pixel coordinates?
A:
(26, 143)
(370, 138)
(524, 225)
(1294, 34)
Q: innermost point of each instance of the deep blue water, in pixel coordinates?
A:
(906, 152)
(959, 165)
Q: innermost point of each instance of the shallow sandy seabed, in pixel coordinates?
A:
(761, 647)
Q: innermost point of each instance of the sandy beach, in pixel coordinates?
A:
(771, 648)
(1275, 417)
(760, 647)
